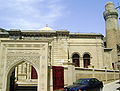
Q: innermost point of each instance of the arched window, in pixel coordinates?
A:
(86, 59)
(75, 60)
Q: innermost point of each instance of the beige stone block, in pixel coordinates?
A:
(78, 76)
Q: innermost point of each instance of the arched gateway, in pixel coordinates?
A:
(14, 52)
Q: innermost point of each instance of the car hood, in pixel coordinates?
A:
(75, 87)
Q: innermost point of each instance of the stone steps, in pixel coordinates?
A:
(26, 88)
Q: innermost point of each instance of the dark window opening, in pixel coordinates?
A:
(75, 60)
(86, 59)
(113, 65)
(105, 45)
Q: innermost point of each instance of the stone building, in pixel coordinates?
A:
(28, 53)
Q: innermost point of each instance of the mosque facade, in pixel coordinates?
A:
(27, 54)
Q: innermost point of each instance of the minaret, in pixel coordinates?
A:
(111, 21)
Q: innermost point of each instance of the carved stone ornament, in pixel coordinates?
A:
(18, 55)
(32, 56)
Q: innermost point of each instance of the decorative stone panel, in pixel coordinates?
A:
(17, 54)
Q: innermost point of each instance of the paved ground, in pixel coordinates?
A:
(112, 86)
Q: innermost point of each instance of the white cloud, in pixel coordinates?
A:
(30, 14)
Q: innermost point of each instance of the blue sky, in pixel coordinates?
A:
(84, 16)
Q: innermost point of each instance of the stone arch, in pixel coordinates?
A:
(75, 53)
(87, 53)
(76, 59)
(19, 61)
(86, 59)
(11, 68)
(16, 52)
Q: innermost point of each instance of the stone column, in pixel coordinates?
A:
(81, 62)
(43, 70)
(16, 73)
(28, 71)
(71, 73)
(111, 21)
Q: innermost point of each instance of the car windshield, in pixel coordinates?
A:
(82, 81)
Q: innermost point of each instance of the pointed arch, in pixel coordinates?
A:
(11, 69)
(17, 62)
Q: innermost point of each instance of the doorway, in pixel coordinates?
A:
(22, 77)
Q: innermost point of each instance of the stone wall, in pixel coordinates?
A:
(101, 74)
(71, 74)
(104, 75)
